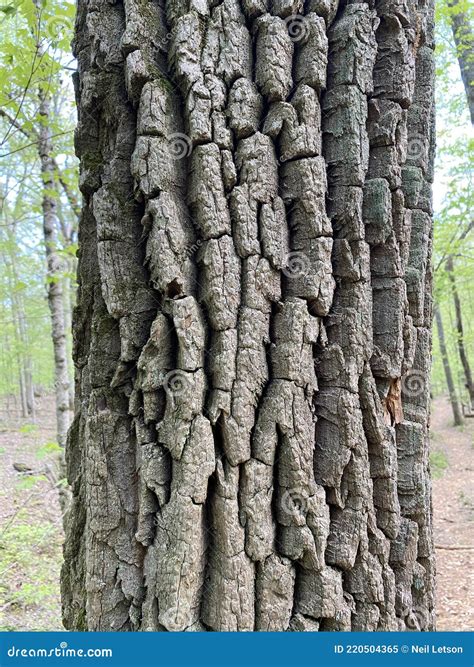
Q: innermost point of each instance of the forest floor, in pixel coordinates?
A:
(452, 464)
(30, 522)
(31, 533)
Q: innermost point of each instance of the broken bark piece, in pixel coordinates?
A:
(274, 58)
(220, 286)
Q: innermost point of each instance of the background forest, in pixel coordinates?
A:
(39, 209)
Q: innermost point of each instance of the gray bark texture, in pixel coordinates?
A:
(253, 329)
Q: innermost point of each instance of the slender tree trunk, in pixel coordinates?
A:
(21, 330)
(16, 308)
(457, 415)
(253, 329)
(464, 39)
(21, 384)
(460, 331)
(68, 307)
(20, 354)
(27, 364)
(68, 226)
(54, 271)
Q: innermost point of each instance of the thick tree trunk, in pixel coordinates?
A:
(460, 331)
(54, 270)
(464, 39)
(453, 399)
(253, 330)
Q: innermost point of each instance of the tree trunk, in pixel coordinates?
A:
(22, 352)
(27, 365)
(464, 39)
(21, 384)
(253, 329)
(457, 415)
(460, 331)
(68, 226)
(54, 271)
(68, 308)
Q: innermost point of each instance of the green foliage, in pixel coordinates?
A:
(454, 197)
(451, 98)
(28, 482)
(34, 57)
(30, 536)
(26, 429)
(438, 463)
(48, 449)
(29, 563)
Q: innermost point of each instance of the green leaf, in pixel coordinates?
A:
(47, 449)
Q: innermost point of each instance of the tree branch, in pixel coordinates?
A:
(32, 136)
(464, 40)
(463, 235)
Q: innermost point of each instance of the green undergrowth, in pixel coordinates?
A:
(438, 462)
(30, 554)
(30, 544)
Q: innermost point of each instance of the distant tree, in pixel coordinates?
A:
(455, 406)
(9, 255)
(454, 266)
(461, 14)
(28, 97)
(466, 366)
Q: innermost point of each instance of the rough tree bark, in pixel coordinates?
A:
(253, 329)
(453, 399)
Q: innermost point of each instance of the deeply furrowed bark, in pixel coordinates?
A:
(253, 330)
